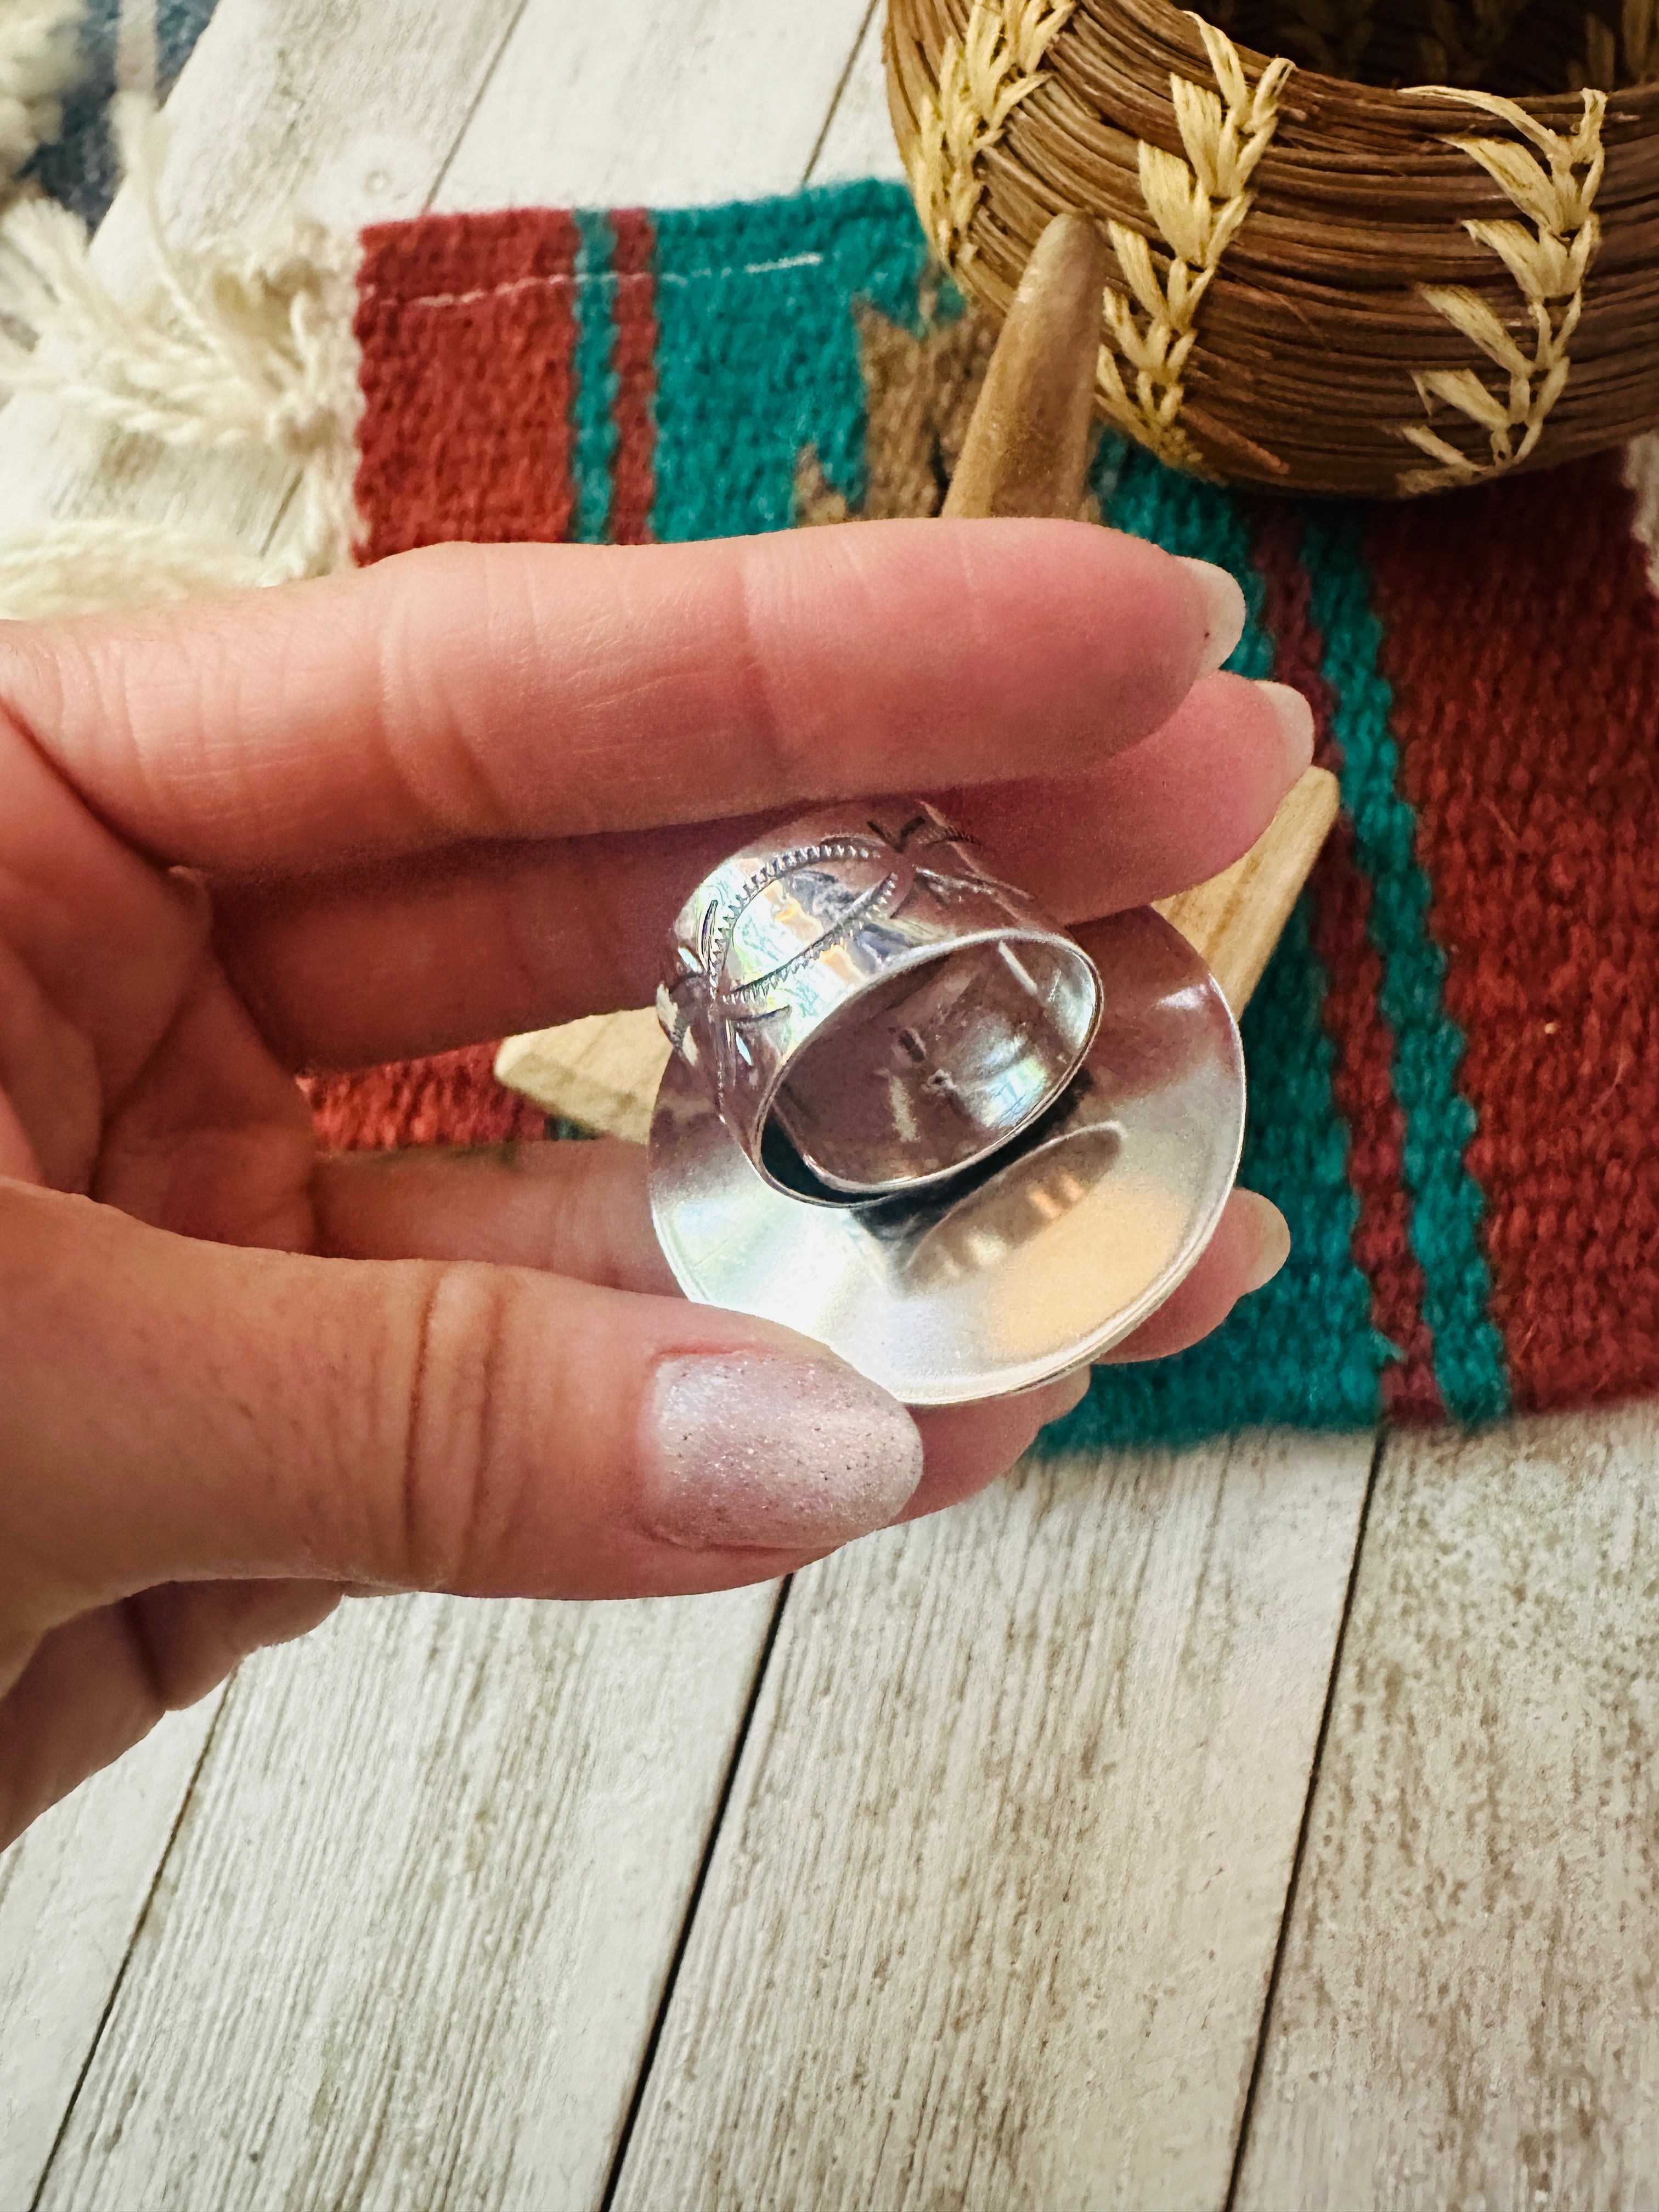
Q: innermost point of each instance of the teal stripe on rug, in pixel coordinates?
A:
(1447, 1205)
(758, 353)
(593, 395)
(1302, 1350)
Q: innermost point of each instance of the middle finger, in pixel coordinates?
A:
(422, 955)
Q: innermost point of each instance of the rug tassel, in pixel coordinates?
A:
(238, 345)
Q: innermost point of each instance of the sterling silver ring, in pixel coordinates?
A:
(869, 1009)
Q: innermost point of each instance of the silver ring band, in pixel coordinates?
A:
(870, 1009)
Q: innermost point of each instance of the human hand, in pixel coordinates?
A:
(460, 795)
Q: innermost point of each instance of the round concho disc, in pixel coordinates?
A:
(1040, 1258)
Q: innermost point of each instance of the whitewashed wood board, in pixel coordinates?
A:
(408, 1947)
(858, 141)
(672, 102)
(991, 1917)
(1467, 2013)
(72, 1890)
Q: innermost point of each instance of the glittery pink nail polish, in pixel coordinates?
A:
(765, 1451)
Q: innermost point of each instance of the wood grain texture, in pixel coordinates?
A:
(1465, 2016)
(72, 1890)
(602, 1071)
(859, 139)
(1029, 439)
(670, 103)
(409, 1947)
(991, 1916)
(346, 112)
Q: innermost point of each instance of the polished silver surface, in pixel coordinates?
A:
(868, 1008)
(1041, 1257)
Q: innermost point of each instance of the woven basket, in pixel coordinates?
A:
(1324, 283)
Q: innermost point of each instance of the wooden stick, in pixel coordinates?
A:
(1026, 452)
(1237, 918)
(1027, 447)
(603, 1072)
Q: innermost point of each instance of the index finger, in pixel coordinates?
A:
(513, 691)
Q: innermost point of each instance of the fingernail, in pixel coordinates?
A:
(1070, 1393)
(1296, 720)
(764, 1450)
(1224, 610)
(1272, 1242)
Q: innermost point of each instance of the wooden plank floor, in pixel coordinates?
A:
(1269, 1824)
(1466, 2011)
(992, 1914)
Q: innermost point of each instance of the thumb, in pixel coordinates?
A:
(173, 1410)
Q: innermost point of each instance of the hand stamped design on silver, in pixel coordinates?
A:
(908, 1115)
(873, 1010)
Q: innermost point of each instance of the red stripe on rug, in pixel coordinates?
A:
(467, 329)
(634, 356)
(1362, 1081)
(1522, 647)
(453, 1099)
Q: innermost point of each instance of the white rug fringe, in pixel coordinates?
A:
(241, 344)
(68, 567)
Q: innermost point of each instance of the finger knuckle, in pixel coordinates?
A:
(462, 1463)
(780, 727)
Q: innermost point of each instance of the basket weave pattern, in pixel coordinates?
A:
(1323, 284)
